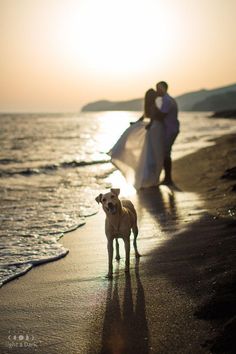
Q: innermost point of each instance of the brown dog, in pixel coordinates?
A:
(121, 218)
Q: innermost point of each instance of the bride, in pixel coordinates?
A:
(139, 152)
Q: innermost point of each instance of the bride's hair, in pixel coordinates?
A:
(149, 101)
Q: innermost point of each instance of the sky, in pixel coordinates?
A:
(57, 55)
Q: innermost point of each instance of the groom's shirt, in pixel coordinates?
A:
(169, 106)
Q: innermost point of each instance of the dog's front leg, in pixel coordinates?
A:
(110, 257)
(117, 250)
(127, 253)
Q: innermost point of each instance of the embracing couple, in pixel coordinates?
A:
(145, 147)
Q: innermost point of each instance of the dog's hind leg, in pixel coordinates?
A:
(127, 253)
(117, 250)
(135, 232)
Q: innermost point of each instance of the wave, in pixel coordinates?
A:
(47, 168)
(10, 272)
(14, 267)
(7, 161)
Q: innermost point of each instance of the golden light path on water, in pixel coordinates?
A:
(112, 125)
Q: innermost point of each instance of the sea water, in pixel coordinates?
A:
(52, 166)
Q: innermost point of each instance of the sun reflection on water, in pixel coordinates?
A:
(111, 126)
(117, 180)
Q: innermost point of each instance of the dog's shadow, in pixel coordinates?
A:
(125, 328)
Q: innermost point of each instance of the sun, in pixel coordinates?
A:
(112, 38)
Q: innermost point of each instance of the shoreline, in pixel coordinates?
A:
(78, 279)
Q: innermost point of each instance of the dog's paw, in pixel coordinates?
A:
(117, 258)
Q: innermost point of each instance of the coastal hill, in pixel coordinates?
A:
(208, 100)
(202, 100)
(218, 102)
(131, 105)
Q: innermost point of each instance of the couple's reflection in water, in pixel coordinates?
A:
(161, 204)
(125, 328)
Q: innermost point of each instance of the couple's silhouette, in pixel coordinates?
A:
(145, 148)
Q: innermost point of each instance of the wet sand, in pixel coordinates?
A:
(177, 299)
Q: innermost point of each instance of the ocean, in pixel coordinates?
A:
(52, 166)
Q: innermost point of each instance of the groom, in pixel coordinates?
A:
(168, 112)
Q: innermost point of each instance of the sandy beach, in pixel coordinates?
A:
(177, 299)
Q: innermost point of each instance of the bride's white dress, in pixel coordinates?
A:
(139, 154)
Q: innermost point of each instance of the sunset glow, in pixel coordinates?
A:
(61, 54)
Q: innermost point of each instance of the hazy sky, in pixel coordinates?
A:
(61, 54)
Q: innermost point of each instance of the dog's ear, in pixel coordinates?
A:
(99, 198)
(115, 191)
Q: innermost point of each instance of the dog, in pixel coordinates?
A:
(121, 218)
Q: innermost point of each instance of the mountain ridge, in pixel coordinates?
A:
(195, 100)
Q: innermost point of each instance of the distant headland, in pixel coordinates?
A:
(219, 99)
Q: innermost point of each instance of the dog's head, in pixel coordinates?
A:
(110, 201)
